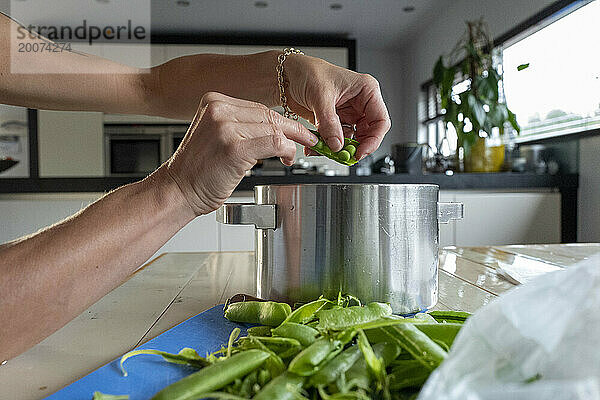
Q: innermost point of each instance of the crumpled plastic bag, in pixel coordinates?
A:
(538, 341)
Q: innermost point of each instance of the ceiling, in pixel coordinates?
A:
(374, 23)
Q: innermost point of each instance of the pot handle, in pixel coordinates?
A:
(262, 216)
(449, 211)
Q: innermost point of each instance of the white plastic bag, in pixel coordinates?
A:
(546, 332)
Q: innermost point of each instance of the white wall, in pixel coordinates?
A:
(439, 33)
(385, 65)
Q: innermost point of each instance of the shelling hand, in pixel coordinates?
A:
(329, 95)
(225, 140)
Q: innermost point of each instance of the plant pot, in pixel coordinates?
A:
(482, 156)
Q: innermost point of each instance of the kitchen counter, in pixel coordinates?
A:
(500, 180)
(177, 286)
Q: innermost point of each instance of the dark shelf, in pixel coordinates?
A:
(456, 181)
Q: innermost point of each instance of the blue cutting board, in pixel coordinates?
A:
(147, 374)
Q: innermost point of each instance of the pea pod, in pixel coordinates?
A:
(344, 156)
(409, 373)
(418, 344)
(302, 333)
(375, 365)
(103, 396)
(344, 318)
(306, 312)
(261, 330)
(246, 390)
(444, 333)
(285, 386)
(458, 317)
(307, 362)
(258, 312)
(358, 375)
(213, 377)
(337, 366)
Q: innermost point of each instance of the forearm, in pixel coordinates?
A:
(178, 85)
(54, 275)
(85, 82)
(91, 83)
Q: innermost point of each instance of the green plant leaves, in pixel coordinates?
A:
(522, 67)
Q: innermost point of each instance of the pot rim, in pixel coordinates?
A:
(410, 185)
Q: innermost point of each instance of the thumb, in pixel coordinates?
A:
(329, 126)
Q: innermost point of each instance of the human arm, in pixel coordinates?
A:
(50, 277)
(317, 90)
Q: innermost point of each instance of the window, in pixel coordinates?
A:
(558, 94)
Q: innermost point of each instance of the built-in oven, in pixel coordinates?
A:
(136, 150)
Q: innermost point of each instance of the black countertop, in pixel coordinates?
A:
(499, 181)
(504, 180)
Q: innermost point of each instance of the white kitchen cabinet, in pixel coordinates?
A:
(447, 231)
(237, 237)
(501, 218)
(70, 144)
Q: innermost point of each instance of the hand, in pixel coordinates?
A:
(226, 138)
(328, 95)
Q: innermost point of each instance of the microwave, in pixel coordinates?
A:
(137, 150)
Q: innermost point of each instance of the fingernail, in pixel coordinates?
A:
(313, 140)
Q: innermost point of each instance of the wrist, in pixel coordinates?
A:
(267, 77)
(167, 197)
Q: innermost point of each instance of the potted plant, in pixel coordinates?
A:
(476, 111)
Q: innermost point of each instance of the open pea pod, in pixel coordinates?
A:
(344, 156)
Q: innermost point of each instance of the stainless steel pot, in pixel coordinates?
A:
(377, 242)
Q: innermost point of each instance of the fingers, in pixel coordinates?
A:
(329, 126)
(220, 107)
(374, 126)
(293, 130)
(210, 97)
(263, 147)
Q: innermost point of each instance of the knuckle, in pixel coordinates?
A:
(215, 109)
(371, 81)
(277, 140)
(208, 97)
(271, 117)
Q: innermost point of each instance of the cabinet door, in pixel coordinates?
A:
(70, 144)
(508, 218)
(199, 235)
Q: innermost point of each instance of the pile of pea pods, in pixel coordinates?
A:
(325, 349)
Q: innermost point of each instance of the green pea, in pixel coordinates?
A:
(351, 149)
(344, 155)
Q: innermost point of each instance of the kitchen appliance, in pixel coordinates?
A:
(136, 150)
(377, 242)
